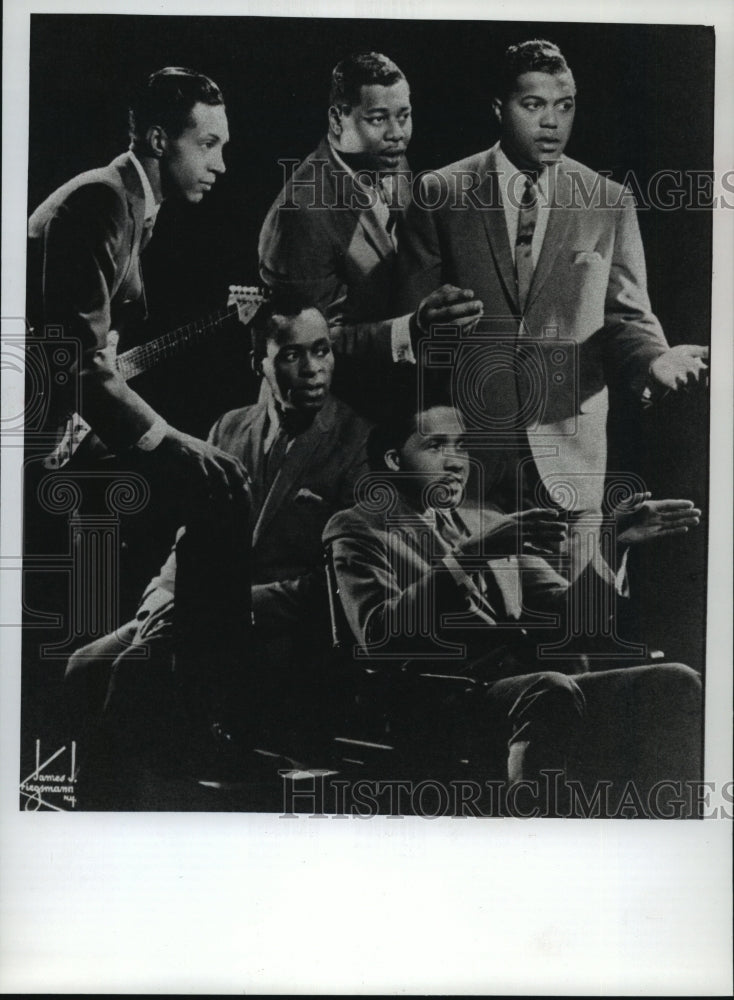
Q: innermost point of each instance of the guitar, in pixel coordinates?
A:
(243, 302)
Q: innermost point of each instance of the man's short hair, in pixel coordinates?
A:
(285, 303)
(537, 55)
(413, 391)
(167, 99)
(363, 69)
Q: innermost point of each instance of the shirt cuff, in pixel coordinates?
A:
(153, 436)
(402, 349)
(621, 577)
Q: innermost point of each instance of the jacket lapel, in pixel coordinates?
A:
(252, 453)
(296, 458)
(494, 223)
(134, 192)
(559, 219)
(365, 218)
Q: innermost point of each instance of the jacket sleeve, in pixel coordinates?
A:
(81, 250)
(421, 268)
(634, 337)
(388, 617)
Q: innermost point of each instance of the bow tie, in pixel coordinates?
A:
(293, 422)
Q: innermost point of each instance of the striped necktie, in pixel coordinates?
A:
(526, 222)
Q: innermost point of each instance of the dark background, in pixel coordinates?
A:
(645, 103)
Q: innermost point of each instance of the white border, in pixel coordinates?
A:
(236, 903)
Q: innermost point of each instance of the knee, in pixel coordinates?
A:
(681, 682)
(556, 696)
(78, 663)
(88, 660)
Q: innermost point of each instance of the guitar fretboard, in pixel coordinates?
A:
(140, 359)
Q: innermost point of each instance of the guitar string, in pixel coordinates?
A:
(137, 359)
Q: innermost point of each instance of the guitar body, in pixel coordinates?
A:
(243, 302)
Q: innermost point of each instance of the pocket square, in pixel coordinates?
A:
(587, 257)
(306, 494)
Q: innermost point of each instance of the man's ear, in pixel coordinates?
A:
(497, 108)
(335, 120)
(392, 460)
(157, 140)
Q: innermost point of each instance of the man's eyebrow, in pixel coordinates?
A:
(384, 111)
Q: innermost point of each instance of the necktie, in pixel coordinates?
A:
(452, 534)
(388, 199)
(447, 528)
(526, 222)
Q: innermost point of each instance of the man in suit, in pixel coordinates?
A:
(468, 592)
(84, 271)
(332, 233)
(304, 451)
(554, 253)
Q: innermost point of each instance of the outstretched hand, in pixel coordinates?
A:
(652, 519)
(681, 366)
(448, 305)
(539, 530)
(204, 472)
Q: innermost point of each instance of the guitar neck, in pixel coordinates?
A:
(141, 359)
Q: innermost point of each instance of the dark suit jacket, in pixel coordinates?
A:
(321, 239)
(587, 319)
(84, 274)
(316, 479)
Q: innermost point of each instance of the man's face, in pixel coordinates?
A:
(299, 364)
(193, 160)
(379, 127)
(537, 117)
(436, 456)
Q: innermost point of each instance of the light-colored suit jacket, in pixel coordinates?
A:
(587, 320)
(405, 596)
(84, 275)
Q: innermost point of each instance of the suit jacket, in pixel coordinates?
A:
(404, 595)
(316, 479)
(322, 239)
(84, 274)
(587, 318)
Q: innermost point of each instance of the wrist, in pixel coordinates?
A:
(157, 431)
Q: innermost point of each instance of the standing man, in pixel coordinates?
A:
(554, 252)
(333, 231)
(84, 271)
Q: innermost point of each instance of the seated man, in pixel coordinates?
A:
(304, 451)
(460, 591)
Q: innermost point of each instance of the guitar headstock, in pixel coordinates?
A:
(247, 299)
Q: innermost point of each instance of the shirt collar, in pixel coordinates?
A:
(383, 184)
(508, 171)
(340, 162)
(151, 207)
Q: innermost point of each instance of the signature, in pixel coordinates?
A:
(51, 784)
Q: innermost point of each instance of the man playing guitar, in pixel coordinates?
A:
(84, 272)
